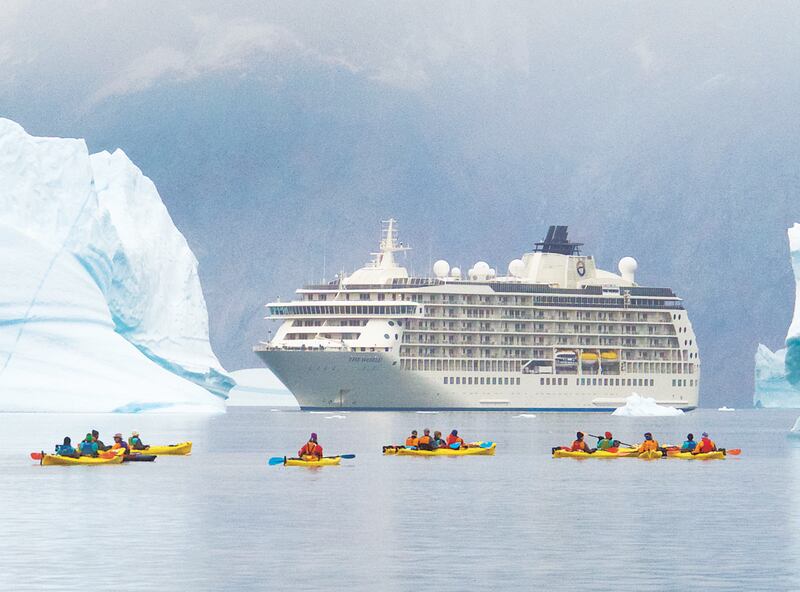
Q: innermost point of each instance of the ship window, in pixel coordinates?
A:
(547, 381)
(652, 382)
(445, 380)
(505, 381)
(399, 323)
(395, 336)
(594, 382)
(386, 336)
(458, 380)
(517, 380)
(541, 381)
(391, 323)
(483, 380)
(469, 380)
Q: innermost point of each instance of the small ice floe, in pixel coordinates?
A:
(525, 415)
(319, 411)
(428, 412)
(795, 431)
(336, 417)
(723, 408)
(638, 406)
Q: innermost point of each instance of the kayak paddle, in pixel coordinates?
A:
(37, 455)
(279, 460)
(620, 441)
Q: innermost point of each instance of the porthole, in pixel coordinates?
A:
(395, 336)
(386, 336)
(391, 323)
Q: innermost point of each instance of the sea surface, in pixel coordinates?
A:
(222, 519)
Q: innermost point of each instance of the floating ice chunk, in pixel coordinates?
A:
(525, 415)
(429, 412)
(336, 417)
(723, 408)
(638, 406)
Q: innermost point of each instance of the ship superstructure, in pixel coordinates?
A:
(555, 333)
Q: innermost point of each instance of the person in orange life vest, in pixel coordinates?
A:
(705, 444)
(312, 449)
(412, 441)
(648, 444)
(454, 438)
(579, 445)
(426, 442)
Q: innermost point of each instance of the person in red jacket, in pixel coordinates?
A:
(311, 449)
(705, 444)
(454, 438)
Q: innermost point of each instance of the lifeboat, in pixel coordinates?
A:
(609, 356)
(589, 358)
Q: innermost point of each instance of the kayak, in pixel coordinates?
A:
(326, 461)
(620, 453)
(700, 456)
(138, 457)
(651, 454)
(54, 459)
(181, 449)
(471, 451)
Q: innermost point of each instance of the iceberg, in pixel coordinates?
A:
(258, 387)
(101, 307)
(777, 374)
(638, 406)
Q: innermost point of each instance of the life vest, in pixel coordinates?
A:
(451, 439)
(424, 440)
(88, 448)
(578, 445)
(412, 441)
(648, 445)
(118, 445)
(705, 445)
(311, 449)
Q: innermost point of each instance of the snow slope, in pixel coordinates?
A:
(777, 374)
(101, 307)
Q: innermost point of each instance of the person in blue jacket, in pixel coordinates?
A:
(689, 444)
(66, 448)
(88, 447)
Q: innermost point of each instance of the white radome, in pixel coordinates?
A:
(516, 268)
(627, 268)
(455, 272)
(441, 268)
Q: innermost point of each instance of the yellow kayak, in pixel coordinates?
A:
(621, 453)
(471, 451)
(54, 459)
(651, 454)
(181, 449)
(323, 462)
(717, 455)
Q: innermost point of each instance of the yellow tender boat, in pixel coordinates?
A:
(323, 462)
(181, 449)
(54, 459)
(717, 455)
(471, 451)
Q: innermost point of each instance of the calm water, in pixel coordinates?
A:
(222, 519)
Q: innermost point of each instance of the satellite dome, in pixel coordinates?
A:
(492, 272)
(455, 272)
(441, 268)
(627, 268)
(471, 273)
(516, 268)
(481, 270)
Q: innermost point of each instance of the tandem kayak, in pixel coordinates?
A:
(471, 451)
(716, 455)
(181, 449)
(619, 453)
(54, 459)
(323, 462)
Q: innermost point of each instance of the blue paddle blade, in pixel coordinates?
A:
(347, 455)
(277, 460)
(486, 444)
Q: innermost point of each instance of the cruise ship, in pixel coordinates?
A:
(554, 333)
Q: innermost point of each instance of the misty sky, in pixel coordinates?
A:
(280, 133)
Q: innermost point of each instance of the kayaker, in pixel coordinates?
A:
(98, 441)
(88, 447)
(425, 442)
(606, 442)
(454, 438)
(412, 441)
(579, 445)
(311, 449)
(648, 444)
(438, 441)
(135, 442)
(689, 444)
(66, 448)
(119, 443)
(705, 444)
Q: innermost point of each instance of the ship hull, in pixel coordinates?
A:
(376, 381)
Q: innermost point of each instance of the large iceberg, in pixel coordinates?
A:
(777, 380)
(101, 307)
